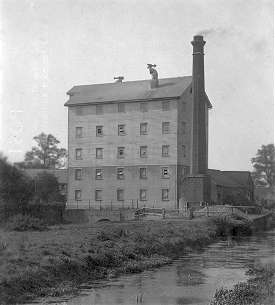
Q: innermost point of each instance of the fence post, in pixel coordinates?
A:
(132, 203)
(77, 204)
(137, 203)
(100, 205)
(207, 211)
(89, 204)
(163, 213)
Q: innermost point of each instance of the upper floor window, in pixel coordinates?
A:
(165, 127)
(121, 107)
(143, 173)
(165, 172)
(120, 194)
(144, 107)
(99, 131)
(79, 132)
(121, 152)
(78, 174)
(98, 195)
(78, 154)
(99, 153)
(121, 130)
(165, 105)
(143, 195)
(143, 128)
(165, 194)
(99, 109)
(99, 173)
(165, 150)
(120, 173)
(77, 195)
(143, 151)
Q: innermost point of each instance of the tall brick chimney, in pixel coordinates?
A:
(199, 162)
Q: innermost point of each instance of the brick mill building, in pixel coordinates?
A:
(140, 142)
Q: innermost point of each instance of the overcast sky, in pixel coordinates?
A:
(50, 46)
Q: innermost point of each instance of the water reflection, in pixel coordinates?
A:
(192, 279)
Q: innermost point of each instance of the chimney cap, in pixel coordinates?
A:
(198, 37)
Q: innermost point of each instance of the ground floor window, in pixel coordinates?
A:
(77, 194)
(165, 194)
(143, 195)
(98, 195)
(120, 195)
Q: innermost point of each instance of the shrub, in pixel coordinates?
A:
(25, 223)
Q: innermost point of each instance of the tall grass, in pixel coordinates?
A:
(65, 256)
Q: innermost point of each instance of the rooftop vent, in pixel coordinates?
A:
(154, 74)
(119, 79)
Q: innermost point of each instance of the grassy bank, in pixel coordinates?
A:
(258, 290)
(56, 261)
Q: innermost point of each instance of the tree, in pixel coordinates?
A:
(264, 166)
(15, 188)
(46, 154)
(47, 188)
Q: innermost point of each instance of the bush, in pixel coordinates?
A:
(25, 223)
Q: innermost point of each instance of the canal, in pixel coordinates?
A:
(191, 279)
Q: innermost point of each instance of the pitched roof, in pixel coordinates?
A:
(241, 177)
(128, 91)
(60, 174)
(219, 178)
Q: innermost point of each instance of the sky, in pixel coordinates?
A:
(47, 47)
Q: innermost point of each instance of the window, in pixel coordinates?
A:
(143, 128)
(99, 153)
(121, 152)
(143, 195)
(143, 107)
(120, 195)
(165, 105)
(78, 132)
(165, 194)
(77, 194)
(183, 128)
(78, 174)
(98, 195)
(165, 150)
(78, 154)
(164, 172)
(121, 130)
(120, 173)
(99, 109)
(184, 150)
(121, 107)
(99, 131)
(143, 173)
(165, 127)
(143, 151)
(99, 173)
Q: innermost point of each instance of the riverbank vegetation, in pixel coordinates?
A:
(258, 290)
(56, 261)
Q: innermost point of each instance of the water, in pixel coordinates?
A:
(191, 279)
